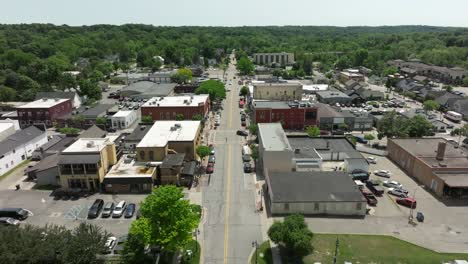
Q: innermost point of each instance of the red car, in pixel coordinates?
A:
(408, 202)
(210, 168)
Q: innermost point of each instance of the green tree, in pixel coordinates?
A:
(343, 126)
(254, 153)
(197, 117)
(183, 75)
(389, 71)
(253, 128)
(419, 126)
(292, 234)
(245, 66)
(69, 130)
(66, 81)
(244, 91)
(430, 105)
(313, 131)
(214, 88)
(7, 94)
(101, 120)
(91, 89)
(465, 81)
(167, 220)
(147, 119)
(448, 88)
(179, 117)
(203, 151)
(392, 125)
(369, 137)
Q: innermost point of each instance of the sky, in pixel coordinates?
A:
(237, 12)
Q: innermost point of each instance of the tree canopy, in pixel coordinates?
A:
(431, 105)
(394, 125)
(203, 151)
(245, 66)
(214, 88)
(183, 75)
(313, 131)
(293, 234)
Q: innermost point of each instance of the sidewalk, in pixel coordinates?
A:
(17, 177)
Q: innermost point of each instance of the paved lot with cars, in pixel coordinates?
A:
(444, 228)
(47, 210)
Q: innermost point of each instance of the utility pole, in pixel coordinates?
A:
(410, 217)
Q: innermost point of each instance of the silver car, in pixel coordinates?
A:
(397, 192)
(107, 210)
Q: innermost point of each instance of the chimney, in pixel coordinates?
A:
(441, 150)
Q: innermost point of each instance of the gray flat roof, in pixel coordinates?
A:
(322, 186)
(454, 178)
(148, 89)
(138, 133)
(313, 147)
(273, 137)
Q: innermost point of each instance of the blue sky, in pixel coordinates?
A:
(237, 12)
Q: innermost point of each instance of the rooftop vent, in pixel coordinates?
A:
(90, 144)
(297, 151)
(56, 99)
(178, 125)
(44, 99)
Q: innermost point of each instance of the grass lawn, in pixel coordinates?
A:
(264, 251)
(373, 249)
(194, 246)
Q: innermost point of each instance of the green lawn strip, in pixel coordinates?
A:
(14, 169)
(194, 258)
(373, 249)
(264, 254)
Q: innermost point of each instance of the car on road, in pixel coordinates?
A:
(397, 192)
(210, 168)
(8, 221)
(242, 133)
(361, 140)
(119, 209)
(95, 209)
(382, 173)
(247, 167)
(393, 184)
(370, 198)
(211, 159)
(212, 150)
(130, 210)
(246, 158)
(243, 123)
(420, 217)
(110, 243)
(408, 202)
(242, 117)
(107, 210)
(372, 160)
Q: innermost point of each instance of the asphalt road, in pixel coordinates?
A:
(231, 223)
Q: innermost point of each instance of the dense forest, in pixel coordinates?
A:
(34, 57)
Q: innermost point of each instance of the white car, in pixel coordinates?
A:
(110, 243)
(393, 184)
(372, 160)
(119, 209)
(382, 173)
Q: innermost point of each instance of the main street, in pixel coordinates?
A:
(231, 223)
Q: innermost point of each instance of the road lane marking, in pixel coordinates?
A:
(228, 193)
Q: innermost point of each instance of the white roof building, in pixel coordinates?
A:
(43, 103)
(177, 101)
(84, 145)
(163, 132)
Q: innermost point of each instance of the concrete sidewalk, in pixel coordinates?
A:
(17, 177)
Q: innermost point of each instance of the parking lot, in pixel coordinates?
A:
(47, 210)
(444, 228)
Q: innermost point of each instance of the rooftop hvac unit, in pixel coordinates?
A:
(178, 125)
(56, 99)
(90, 144)
(44, 99)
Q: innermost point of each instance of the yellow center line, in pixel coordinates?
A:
(228, 189)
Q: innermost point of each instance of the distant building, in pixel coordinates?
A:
(281, 58)
(8, 127)
(132, 140)
(333, 97)
(185, 88)
(443, 74)
(43, 111)
(169, 107)
(277, 91)
(19, 146)
(350, 75)
(434, 162)
(123, 119)
(292, 115)
(147, 89)
(73, 96)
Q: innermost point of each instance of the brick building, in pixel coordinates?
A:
(43, 111)
(292, 115)
(168, 108)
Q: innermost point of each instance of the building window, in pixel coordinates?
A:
(286, 206)
(161, 116)
(316, 206)
(14, 151)
(168, 116)
(262, 115)
(151, 155)
(358, 206)
(23, 157)
(142, 155)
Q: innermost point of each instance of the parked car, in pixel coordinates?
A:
(382, 173)
(119, 209)
(247, 167)
(96, 208)
(107, 210)
(393, 184)
(211, 159)
(408, 202)
(376, 189)
(242, 133)
(130, 210)
(361, 140)
(210, 168)
(371, 200)
(338, 132)
(242, 117)
(372, 160)
(9, 221)
(360, 175)
(212, 151)
(397, 192)
(246, 158)
(420, 217)
(110, 243)
(16, 213)
(243, 123)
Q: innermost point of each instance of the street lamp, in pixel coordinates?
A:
(255, 245)
(196, 233)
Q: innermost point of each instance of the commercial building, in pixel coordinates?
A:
(277, 91)
(185, 88)
(73, 96)
(132, 140)
(43, 111)
(166, 137)
(330, 118)
(333, 97)
(314, 193)
(314, 88)
(129, 176)
(172, 107)
(281, 58)
(8, 127)
(148, 89)
(84, 117)
(84, 164)
(434, 162)
(292, 115)
(351, 75)
(19, 146)
(123, 119)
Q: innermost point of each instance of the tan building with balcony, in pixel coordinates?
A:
(84, 164)
(169, 137)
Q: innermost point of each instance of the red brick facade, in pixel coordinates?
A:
(47, 116)
(292, 118)
(170, 113)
